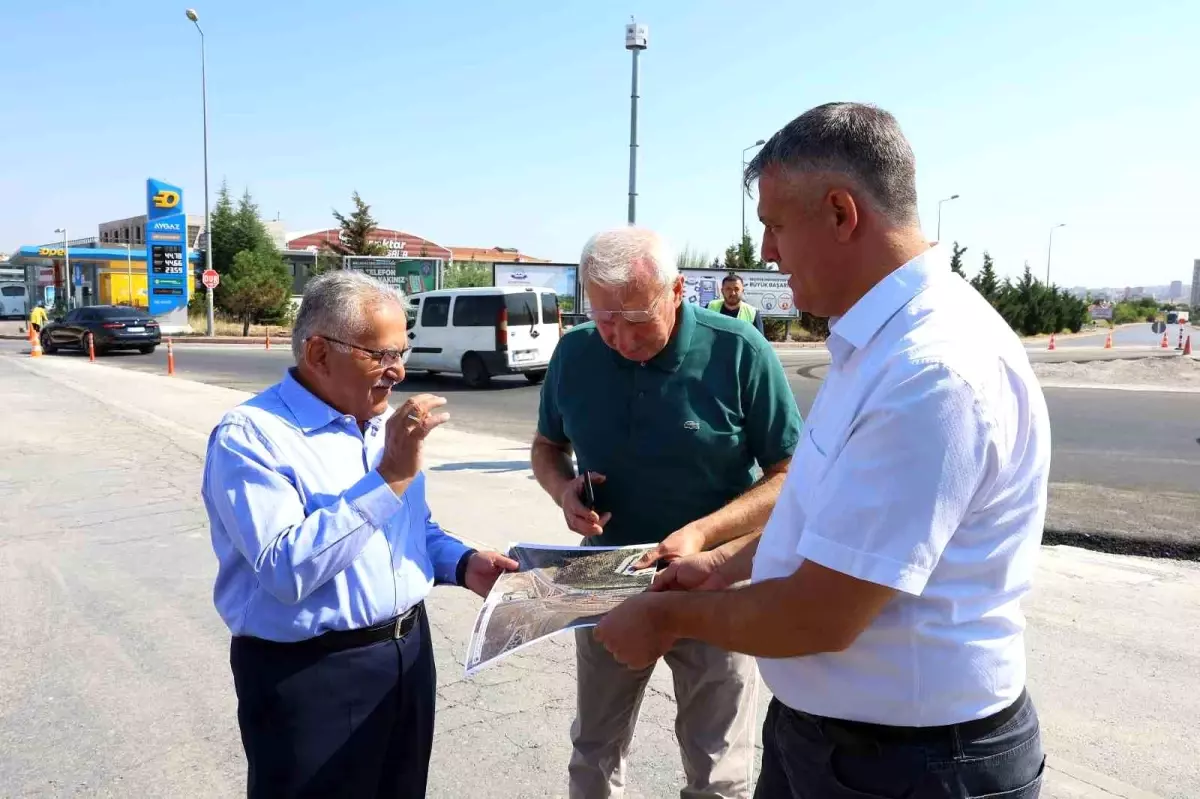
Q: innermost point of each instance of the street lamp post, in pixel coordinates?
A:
(68, 278)
(939, 229)
(195, 18)
(637, 39)
(1050, 249)
(742, 184)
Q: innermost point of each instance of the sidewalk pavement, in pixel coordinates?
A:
(113, 668)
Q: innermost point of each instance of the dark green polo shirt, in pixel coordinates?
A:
(677, 436)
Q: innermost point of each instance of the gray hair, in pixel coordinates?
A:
(337, 304)
(859, 141)
(610, 256)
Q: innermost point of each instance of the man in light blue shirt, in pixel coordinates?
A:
(326, 549)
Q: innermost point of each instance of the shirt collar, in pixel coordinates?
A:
(310, 411)
(873, 310)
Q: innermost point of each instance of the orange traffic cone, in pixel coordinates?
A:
(1187, 346)
(1051, 347)
(91, 348)
(35, 347)
(29, 334)
(1108, 341)
(1165, 345)
(170, 359)
(268, 339)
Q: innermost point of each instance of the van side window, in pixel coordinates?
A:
(549, 308)
(473, 310)
(435, 311)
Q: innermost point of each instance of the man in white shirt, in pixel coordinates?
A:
(884, 607)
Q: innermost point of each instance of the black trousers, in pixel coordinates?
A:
(806, 757)
(355, 723)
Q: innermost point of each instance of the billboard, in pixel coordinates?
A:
(561, 278)
(166, 247)
(769, 292)
(409, 275)
(1101, 311)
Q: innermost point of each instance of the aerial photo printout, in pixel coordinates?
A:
(556, 588)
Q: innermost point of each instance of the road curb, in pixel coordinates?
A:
(1128, 544)
(1065, 779)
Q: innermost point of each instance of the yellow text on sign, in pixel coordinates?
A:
(50, 252)
(166, 199)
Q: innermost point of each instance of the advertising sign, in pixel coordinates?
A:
(409, 275)
(560, 278)
(767, 291)
(166, 242)
(1101, 311)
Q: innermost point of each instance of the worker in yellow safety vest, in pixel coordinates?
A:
(731, 303)
(37, 317)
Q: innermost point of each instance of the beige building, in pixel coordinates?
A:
(133, 230)
(1196, 284)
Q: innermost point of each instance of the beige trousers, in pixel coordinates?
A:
(717, 697)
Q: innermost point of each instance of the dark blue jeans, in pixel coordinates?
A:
(806, 758)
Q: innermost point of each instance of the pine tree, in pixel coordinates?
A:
(986, 282)
(356, 231)
(742, 255)
(221, 234)
(956, 260)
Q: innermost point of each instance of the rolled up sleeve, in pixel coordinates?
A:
(900, 486)
(261, 512)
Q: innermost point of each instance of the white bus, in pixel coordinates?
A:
(14, 300)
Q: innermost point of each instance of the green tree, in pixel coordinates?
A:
(327, 261)
(956, 260)
(355, 238)
(465, 274)
(986, 282)
(221, 233)
(742, 255)
(258, 285)
(692, 259)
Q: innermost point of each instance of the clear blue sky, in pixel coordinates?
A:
(483, 124)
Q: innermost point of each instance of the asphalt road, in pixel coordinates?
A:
(1119, 439)
(1134, 335)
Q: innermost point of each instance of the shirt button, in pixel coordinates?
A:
(641, 394)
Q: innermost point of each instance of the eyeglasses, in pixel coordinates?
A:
(636, 317)
(384, 358)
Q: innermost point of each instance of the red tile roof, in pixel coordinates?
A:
(495, 255)
(401, 243)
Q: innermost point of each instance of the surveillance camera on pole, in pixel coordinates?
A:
(637, 39)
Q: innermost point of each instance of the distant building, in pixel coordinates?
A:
(396, 243)
(494, 255)
(1175, 292)
(1196, 283)
(132, 230)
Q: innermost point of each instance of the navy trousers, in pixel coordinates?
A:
(355, 723)
(805, 757)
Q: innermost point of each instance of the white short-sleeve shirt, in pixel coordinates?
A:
(923, 466)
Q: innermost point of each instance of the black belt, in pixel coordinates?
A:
(862, 733)
(337, 640)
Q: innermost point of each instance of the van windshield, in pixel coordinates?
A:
(12, 291)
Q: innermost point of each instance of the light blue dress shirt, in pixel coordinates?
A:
(308, 536)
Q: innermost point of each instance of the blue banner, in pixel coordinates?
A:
(166, 247)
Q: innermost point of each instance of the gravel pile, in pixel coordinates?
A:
(1178, 373)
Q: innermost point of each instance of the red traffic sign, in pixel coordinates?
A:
(210, 278)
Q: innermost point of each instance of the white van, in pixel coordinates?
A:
(14, 300)
(482, 332)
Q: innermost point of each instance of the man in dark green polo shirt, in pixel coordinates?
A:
(669, 407)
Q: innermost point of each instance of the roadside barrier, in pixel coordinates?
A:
(170, 358)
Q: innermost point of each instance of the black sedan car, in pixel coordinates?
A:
(113, 327)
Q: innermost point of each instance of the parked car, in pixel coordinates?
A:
(113, 327)
(483, 332)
